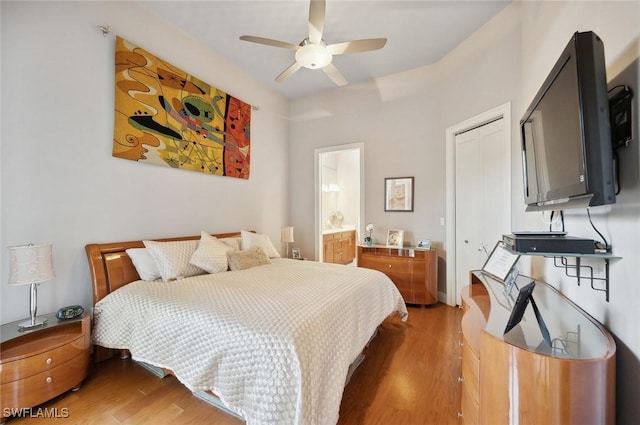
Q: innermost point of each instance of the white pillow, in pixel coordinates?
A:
(250, 239)
(172, 258)
(211, 254)
(144, 263)
(233, 242)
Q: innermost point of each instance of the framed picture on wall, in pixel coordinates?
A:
(395, 238)
(398, 194)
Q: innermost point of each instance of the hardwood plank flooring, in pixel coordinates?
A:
(409, 377)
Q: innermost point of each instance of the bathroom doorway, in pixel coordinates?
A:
(339, 179)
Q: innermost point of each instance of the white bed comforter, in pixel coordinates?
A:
(273, 342)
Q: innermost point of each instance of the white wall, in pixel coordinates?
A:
(546, 29)
(60, 183)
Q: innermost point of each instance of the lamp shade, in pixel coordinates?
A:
(286, 235)
(313, 56)
(30, 264)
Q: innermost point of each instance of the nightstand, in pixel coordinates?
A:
(40, 364)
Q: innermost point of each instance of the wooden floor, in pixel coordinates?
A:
(409, 377)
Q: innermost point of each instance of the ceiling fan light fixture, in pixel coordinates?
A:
(313, 56)
(313, 52)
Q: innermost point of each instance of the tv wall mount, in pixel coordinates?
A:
(620, 115)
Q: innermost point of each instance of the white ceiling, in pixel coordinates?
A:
(419, 32)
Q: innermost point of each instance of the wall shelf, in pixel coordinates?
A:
(560, 260)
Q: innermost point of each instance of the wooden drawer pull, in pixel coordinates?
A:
(49, 361)
(49, 379)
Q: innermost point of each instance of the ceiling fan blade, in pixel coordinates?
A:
(316, 20)
(335, 75)
(357, 46)
(269, 42)
(288, 72)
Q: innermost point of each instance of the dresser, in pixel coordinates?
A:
(339, 247)
(38, 365)
(414, 271)
(517, 377)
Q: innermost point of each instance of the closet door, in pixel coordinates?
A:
(483, 201)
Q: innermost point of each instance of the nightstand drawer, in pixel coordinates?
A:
(28, 366)
(44, 386)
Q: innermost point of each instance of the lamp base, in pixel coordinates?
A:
(31, 324)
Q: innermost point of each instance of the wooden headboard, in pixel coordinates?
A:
(111, 267)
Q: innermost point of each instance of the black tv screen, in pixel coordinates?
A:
(566, 141)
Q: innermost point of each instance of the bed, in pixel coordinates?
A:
(273, 342)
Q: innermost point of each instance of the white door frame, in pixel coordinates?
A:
(318, 206)
(502, 111)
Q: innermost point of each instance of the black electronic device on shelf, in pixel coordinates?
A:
(552, 242)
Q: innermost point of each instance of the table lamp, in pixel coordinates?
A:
(286, 236)
(30, 265)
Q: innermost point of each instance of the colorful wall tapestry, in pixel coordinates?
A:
(167, 117)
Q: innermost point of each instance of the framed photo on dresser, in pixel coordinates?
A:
(395, 238)
(500, 261)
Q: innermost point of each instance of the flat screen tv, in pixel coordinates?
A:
(567, 154)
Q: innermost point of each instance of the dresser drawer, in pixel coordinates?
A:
(36, 389)
(388, 265)
(28, 366)
(471, 371)
(470, 407)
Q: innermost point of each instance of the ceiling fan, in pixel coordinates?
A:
(313, 52)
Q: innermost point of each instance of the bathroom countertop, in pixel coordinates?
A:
(344, 228)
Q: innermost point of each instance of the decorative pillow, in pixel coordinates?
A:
(211, 254)
(252, 257)
(233, 242)
(172, 258)
(250, 239)
(144, 263)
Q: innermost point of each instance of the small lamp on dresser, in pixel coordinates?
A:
(286, 236)
(31, 265)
